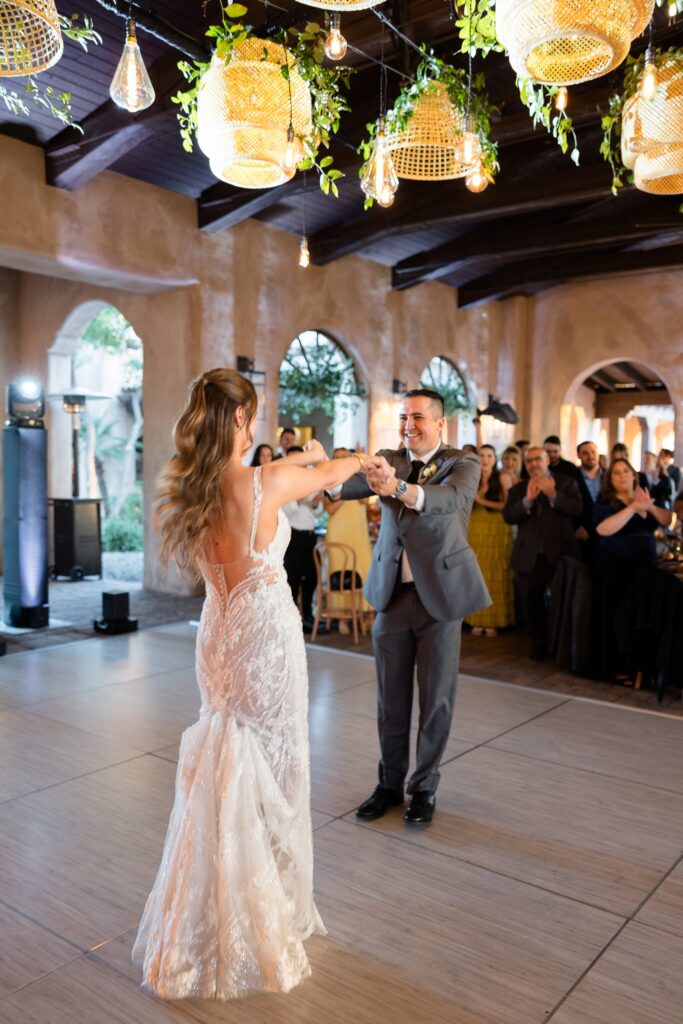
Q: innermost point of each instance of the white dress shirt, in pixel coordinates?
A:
(406, 571)
(302, 514)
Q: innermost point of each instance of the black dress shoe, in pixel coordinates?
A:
(420, 809)
(379, 803)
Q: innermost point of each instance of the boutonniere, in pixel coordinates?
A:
(427, 472)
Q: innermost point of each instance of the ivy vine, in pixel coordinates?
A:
(430, 71)
(307, 46)
(35, 94)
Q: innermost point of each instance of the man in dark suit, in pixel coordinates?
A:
(543, 509)
(558, 464)
(668, 468)
(423, 580)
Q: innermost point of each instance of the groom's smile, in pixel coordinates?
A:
(420, 424)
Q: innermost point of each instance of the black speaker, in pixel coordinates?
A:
(115, 608)
(24, 473)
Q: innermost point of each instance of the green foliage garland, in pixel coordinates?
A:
(308, 48)
(610, 147)
(429, 71)
(57, 104)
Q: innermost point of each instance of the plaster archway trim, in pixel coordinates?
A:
(580, 378)
(344, 346)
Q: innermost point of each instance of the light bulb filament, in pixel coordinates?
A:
(335, 44)
(649, 82)
(304, 254)
(562, 99)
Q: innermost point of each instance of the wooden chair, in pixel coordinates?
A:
(347, 605)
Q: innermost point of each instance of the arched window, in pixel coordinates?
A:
(320, 391)
(442, 376)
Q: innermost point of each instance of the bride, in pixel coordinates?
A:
(233, 900)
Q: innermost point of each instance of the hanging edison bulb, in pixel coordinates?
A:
(476, 180)
(131, 87)
(469, 148)
(293, 153)
(562, 99)
(304, 254)
(649, 82)
(379, 182)
(335, 44)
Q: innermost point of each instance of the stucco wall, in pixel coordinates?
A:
(200, 300)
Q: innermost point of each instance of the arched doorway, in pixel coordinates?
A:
(97, 354)
(443, 376)
(625, 401)
(321, 394)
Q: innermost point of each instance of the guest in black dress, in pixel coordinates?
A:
(626, 518)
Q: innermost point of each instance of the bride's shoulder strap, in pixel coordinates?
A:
(258, 493)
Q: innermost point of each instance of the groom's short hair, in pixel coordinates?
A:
(429, 393)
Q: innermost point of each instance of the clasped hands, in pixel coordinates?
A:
(541, 485)
(642, 500)
(380, 475)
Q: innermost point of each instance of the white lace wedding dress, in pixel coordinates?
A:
(233, 900)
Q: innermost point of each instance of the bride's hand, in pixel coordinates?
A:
(315, 451)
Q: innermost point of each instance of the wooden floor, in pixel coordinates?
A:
(549, 887)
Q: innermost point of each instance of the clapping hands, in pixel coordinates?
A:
(642, 500)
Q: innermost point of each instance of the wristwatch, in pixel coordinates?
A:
(401, 488)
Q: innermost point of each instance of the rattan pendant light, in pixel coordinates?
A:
(652, 135)
(430, 147)
(342, 5)
(30, 37)
(562, 42)
(244, 112)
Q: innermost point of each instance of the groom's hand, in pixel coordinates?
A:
(381, 476)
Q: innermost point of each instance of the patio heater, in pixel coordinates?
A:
(77, 521)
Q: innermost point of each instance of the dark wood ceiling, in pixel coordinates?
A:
(544, 222)
(624, 376)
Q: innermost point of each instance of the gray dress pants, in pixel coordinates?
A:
(405, 636)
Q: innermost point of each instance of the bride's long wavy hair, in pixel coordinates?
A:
(189, 496)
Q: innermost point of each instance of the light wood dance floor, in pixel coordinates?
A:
(549, 887)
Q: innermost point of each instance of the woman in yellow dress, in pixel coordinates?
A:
(491, 541)
(348, 524)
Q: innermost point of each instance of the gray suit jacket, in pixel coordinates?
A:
(447, 576)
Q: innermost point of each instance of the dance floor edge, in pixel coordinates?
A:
(548, 890)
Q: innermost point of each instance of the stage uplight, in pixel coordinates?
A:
(25, 402)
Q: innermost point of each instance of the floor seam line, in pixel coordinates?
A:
(490, 870)
(42, 926)
(629, 920)
(590, 771)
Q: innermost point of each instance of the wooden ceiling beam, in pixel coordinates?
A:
(422, 207)
(528, 277)
(73, 157)
(533, 235)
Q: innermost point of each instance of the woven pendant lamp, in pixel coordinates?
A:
(562, 42)
(652, 135)
(342, 5)
(30, 37)
(243, 114)
(430, 146)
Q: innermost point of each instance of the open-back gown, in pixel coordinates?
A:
(233, 899)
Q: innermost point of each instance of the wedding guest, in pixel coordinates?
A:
(620, 451)
(348, 524)
(512, 464)
(667, 466)
(490, 539)
(263, 454)
(543, 509)
(523, 445)
(288, 440)
(590, 482)
(471, 449)
(659, 486)
(299, 564)
(626, 518)
(557, 464)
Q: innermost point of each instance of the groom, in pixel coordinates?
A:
(423, 580)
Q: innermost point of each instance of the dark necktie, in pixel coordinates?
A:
(415, 469)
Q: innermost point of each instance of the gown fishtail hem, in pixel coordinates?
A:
(233, 899)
